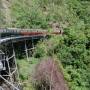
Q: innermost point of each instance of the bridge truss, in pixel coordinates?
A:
(11, 76)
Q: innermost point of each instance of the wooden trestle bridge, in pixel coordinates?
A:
(8, 65)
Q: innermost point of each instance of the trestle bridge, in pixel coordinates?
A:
(9, 75)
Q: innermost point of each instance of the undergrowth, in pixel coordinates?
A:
(73, 47)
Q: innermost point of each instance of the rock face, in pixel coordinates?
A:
(49, 77)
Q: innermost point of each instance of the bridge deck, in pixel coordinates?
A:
(19, 38)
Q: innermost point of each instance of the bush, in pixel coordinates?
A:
(27, 14)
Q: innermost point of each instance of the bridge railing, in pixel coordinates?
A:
(16, 30)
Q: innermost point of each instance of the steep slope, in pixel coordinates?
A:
(6, 11)
(1, 15)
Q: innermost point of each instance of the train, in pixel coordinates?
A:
(25, 32)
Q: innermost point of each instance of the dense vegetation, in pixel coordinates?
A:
(74, 57)
(1, 15)
(73, 47)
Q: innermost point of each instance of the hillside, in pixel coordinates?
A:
(5, 13)
(71, 50)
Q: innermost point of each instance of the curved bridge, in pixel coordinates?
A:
(11, 36)
(18, 38)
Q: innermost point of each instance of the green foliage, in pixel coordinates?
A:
(39, 13)
(40, 51)
(26, 70)
(1, 19)
(27, 14)
(74, 57)
(48, 46)
(2, 22)
(73, 48)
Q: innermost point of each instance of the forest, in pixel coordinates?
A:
(71, 49)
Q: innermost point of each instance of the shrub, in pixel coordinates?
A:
(47, 76)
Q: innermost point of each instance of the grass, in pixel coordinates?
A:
(26, 70)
